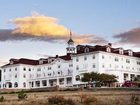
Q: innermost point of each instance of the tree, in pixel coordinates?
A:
(107, 79)
(99, 79)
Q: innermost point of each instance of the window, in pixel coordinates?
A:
(44, 82)
(138, 63)
(85, 58)
(77, 78)
(70, 65)
(38, 75)
(29, 69)
(49, 68)
(77, 59)
(24, 84)
(127, 61)
(9, 69)
(108, 49)
(103, 66)
(103, 57)
(132, 77)
(37, 83)
(15, 84)
(93, 66)
(121, 51)
(15, 75)
(24, 69)
(86, 50)
(77, 67)
(130, 52)
(125, 76)
(24, 75)
(39, 69)
(15, 69)
(93, 57)
(116, 59)
(49, 74)
(4, 70)
(58, 66)
(110, 65)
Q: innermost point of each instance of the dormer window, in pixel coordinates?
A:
(120, 51)
(40, 61)
(130, 52)
(86, 50)
(108, 49)
(11, 62)
(78, 48)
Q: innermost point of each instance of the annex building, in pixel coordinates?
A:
(67, 70)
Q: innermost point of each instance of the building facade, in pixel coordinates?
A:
(67, 70)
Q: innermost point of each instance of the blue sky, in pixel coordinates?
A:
(103, 18)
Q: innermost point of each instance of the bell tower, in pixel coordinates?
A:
(70, 49)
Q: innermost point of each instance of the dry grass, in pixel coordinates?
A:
(101, 97)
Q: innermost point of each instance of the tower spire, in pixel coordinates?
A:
(70, 48)
(70, 34)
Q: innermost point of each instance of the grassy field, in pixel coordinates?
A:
(103, 97)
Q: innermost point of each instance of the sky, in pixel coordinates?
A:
(40, 28)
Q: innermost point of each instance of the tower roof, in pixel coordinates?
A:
(70, 40)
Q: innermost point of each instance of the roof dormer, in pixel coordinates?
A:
(130, 52)
(108, 49)
(121, 51)
(86, 50)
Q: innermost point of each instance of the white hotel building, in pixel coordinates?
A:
(66, 71)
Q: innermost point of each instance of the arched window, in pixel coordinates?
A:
(15, 84)
(24, 84)
(77, 78)
(86, 50)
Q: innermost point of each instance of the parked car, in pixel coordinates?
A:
(130, 84)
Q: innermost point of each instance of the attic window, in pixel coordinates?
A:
(11, 62)
(86, 49)
(130, 52)
(120, 51)
(40, 61)
(78, 48)
(108, 49)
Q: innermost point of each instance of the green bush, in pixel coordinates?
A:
(60, 100)
(1, 99)
(22, 95)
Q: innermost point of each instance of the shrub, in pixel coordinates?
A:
(89, 100)
(134, 100)
(60, 100)
(57, 100)
(22, 95)
(69, 102)
(1, 99)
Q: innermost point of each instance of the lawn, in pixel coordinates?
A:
(102, 97)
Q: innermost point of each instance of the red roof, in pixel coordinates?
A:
(81, 49)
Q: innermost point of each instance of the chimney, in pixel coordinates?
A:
(110, 44)
(56, 56)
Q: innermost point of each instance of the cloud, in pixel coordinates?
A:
(39, 25)
(43, 28)
(2, 62)
(130, 37)
(89, 38)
